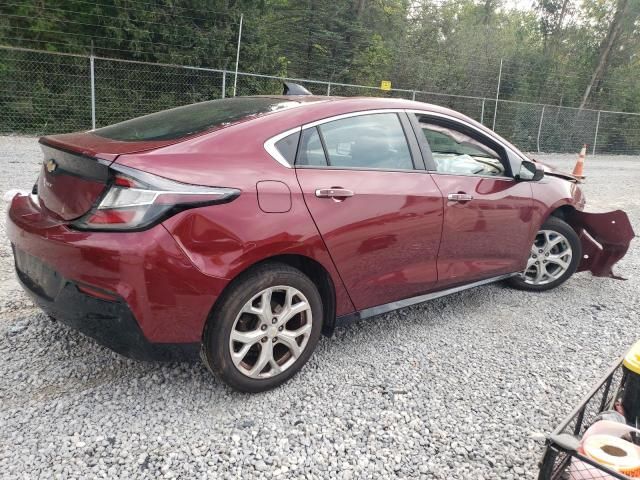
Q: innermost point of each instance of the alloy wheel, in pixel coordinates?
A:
(549, 259)
(270, 332)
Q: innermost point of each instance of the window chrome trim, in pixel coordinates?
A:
(270, 146)
(362, 169)
(494, 177)
(352, 114)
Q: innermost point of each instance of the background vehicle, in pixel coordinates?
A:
(246, 227)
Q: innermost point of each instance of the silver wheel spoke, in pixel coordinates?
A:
(265, 304)
(246, 337)
(266, 356)
(552, 243)
(275, 368)
(292, 310)
(238, 356)
(270, 332)
(305, 329)
(289, 341)
(264, 310)
(540, 274)
(558, 260)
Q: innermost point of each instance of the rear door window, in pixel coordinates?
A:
(191, 119)
(374, 141)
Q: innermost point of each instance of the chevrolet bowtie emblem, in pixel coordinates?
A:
(51, 165)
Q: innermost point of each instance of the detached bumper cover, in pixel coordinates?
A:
(605, 239)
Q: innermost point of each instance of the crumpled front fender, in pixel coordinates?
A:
(605, 239)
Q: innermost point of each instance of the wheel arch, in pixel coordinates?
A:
(312, 269)
(563, 212)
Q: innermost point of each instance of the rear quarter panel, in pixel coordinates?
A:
(224, 240)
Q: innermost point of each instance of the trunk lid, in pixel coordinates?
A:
(75, 170)
(70, 183)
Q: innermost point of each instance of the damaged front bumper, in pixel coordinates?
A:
(605, 239)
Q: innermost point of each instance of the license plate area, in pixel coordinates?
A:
(37, 275)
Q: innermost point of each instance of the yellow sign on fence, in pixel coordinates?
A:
(385, 85)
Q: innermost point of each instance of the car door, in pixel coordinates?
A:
(378, 211)
(487, 213)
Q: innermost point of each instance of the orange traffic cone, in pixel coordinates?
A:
(578, 171)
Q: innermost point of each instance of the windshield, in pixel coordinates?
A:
(191, 119)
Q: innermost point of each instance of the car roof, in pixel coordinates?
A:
(354, 104)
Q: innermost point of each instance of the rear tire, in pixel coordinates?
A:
(264, 328)
(554, 257)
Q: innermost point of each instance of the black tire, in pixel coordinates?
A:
(216, 338)
(561, 227)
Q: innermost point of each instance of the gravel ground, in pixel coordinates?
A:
(463, 387)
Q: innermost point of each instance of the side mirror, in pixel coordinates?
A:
(530, 172)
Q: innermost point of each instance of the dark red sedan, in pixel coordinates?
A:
(244, 228)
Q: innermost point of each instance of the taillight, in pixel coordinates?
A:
(136, 200)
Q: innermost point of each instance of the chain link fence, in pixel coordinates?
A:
(46, 92)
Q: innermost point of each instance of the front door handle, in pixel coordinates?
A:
(337, 193)
(459, 197)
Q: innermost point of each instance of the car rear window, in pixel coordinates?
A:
(191, 119)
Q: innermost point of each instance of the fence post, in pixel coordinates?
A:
(224, 83)
(540, 127)
(595, 137)
(235, 78)
(495, 110)
(482, 112)
(328, 89)
(413, 96)
(93, 91)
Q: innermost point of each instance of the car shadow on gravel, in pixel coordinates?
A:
(76, 363)
(49, 360)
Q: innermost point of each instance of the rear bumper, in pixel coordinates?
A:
(162, 298)
(110, 322)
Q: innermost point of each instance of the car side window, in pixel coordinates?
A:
(374, 141)
(456, 152)
(310, 151)
(288, 147)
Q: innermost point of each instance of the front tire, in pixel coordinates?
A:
(554, 257)
(264, 328)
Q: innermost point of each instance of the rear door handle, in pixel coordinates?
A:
(459, 197)
(334, 192)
